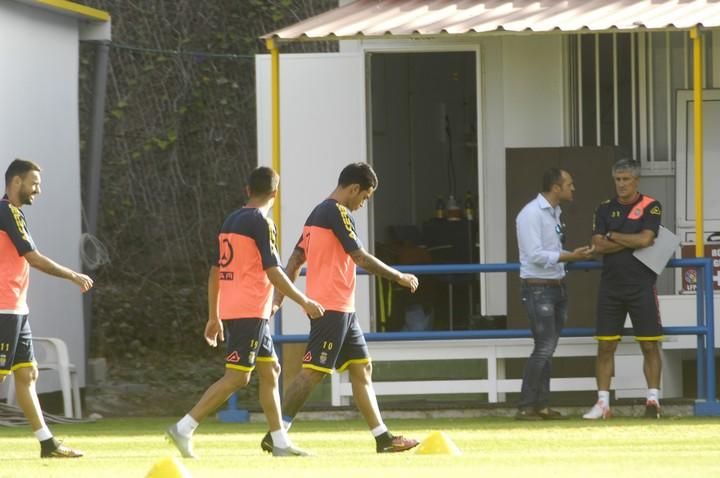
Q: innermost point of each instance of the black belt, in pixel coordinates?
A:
(550, 282)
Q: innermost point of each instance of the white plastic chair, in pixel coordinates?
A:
(51, 354)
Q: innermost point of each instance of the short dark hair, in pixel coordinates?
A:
(19, 167)
(263, 181)
(358, 173)
(550, 178)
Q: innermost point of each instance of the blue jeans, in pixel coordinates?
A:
(546, 306)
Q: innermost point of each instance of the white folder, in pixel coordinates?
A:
(657, 256)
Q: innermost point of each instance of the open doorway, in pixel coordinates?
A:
(423, 143)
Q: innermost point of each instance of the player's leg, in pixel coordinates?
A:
(242, 346)
(652, 364)
(219, 392)
(25, 373)
(652, 367)
(611, 314)
(364, 393)
(326, 334)
(295, 397)
(324, 346)
(268, 373)
(268, 370)
(17, 358)
(181, 433)
(604, 368)
(605, 363)
(354, 356)
(645, 316)
(299, 391)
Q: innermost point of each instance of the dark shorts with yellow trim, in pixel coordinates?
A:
(248, 341)
(16, 349)
(335, 342)
(638, 300)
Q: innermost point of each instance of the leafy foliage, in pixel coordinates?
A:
(180, 138)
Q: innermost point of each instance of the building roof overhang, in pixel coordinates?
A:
(377, 19)
(71, 9)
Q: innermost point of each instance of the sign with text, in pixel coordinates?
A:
(690, 274)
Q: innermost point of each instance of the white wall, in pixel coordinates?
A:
(522, 107)
(39, 121)
(533, 91)
(716, 58)
(322, 104)
(493, 247)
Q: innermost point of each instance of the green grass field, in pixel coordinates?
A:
(492, 447)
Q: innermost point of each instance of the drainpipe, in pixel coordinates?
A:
(698, 121)
(94, 163)
(272, 46)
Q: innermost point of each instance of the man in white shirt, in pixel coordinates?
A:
(541, 236)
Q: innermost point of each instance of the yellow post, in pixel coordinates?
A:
(275, 93)
(698, 120)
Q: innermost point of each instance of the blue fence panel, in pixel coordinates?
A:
(706, 404)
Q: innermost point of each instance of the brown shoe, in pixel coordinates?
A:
(550, 414)
(528, 415)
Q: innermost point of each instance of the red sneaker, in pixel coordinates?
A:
(397, 444)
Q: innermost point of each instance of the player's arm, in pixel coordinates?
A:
(283, 284)
(603, 245)
(214, 327)
(292, 272)
(644, 238)
(49, 266)
(600, 242)
(375, 266)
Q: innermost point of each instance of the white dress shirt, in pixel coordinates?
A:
(539, 235)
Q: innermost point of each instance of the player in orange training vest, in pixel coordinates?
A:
(240, 291)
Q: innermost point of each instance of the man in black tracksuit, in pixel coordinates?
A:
(622, 224)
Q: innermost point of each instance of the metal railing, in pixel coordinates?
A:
(706, 403)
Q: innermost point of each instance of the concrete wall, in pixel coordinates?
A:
(39, 121)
